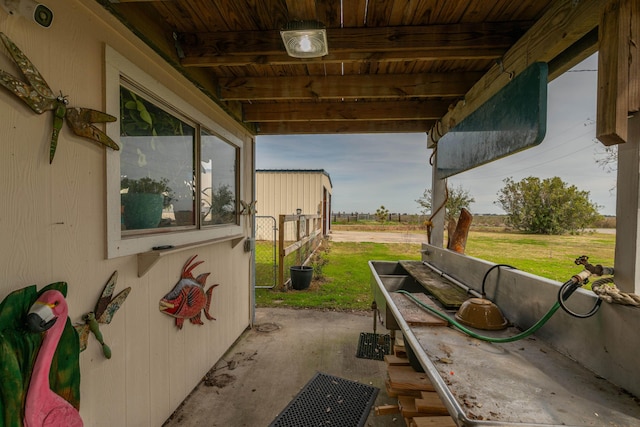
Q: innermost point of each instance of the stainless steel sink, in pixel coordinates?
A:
(393, 277)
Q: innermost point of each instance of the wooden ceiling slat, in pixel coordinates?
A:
(452, 11)
(300, 10)
(237, 15)
(329, 13)
(400, 13)
(348, 126)
(173, 14)
(378, 13)
(347, 87)
(478, 11)
(272, 14)
(513, 10)
(410, 12)
(390, 110)
(353, 13)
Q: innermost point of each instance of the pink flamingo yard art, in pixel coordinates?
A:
(43, 407)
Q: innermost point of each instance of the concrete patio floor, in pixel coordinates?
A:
(271, 362)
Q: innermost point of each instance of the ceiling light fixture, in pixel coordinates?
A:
(305, 39)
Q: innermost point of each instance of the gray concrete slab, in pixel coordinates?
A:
(271, 362)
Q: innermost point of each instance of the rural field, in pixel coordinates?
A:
(341, 279)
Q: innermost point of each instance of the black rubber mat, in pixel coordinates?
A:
(328, 401)
(371, 347)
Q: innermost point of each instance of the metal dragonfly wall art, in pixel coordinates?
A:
(105, 308)
(37, 94)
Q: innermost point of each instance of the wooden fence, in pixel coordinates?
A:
(298, 237)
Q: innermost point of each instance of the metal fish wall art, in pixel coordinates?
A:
(188, 298)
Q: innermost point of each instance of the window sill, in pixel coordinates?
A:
(146, 260)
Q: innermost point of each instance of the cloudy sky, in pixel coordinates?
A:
(393, 169)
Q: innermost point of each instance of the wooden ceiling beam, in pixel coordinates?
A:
(389, 110)
(347, 126)
(449, 85)
(457, 41)
(434, 54)
(563, 24)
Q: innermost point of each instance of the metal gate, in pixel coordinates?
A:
(266, 253)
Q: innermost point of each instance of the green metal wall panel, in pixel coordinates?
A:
(512, 120)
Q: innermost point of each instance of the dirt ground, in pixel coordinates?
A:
(378, 236)
(403, 236)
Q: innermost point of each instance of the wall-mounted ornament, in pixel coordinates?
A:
(43, 406)
(188, 297)
(248, 208)
(19, 349)
(40, 98)
(103, 312)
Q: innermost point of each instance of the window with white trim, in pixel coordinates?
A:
(176, 178)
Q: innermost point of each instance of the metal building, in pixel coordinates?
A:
(294, 191)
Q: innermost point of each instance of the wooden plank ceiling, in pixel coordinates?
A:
(393, 65)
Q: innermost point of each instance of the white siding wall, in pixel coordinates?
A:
(53, 227)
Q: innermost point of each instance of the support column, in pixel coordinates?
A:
(627, 256)
(438, 189)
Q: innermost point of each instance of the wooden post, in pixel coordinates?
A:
(438, 190)
(459, 238)
(627, 262)
(634, 59)
(617, 70)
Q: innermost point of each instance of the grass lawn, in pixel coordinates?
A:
(344, 284)
(547, 256)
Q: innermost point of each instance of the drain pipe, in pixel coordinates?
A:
(466, 288)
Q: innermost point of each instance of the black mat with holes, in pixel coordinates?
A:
(373, 346)
(328, 401)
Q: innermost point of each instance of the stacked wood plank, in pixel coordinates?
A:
(418, 403)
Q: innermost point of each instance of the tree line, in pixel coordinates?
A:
(532, 205)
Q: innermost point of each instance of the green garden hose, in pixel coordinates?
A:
(469, 332)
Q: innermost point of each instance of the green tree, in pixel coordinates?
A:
(548, 206)
(457, 199)
(221, 207)
(382, 214)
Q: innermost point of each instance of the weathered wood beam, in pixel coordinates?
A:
(390, 110)
(576, 53)
(564, 23)
(347, 87)
(458, 41)
(614, 71)
(434, 54)
(347, 126)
